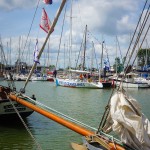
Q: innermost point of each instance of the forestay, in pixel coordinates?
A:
(127, 120)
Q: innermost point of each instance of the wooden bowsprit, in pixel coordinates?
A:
(74, 127)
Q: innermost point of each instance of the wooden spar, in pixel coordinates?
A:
(41, 50)
(70, 125)
(53, 117)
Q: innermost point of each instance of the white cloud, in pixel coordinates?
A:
(9, 5)
(107, 17)
(104, 18)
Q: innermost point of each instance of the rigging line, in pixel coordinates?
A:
(30, 27)
(137, 40)
(61, 36)
(70, 36)
(2, 52)
(85, 41)
(63, 115)
(105, 115)
(48, 51)
(138, 37)
(28, 53)
(107, 109)
(95, 55)
(119, 48)
(44, 44)
(28, 130)
(141, 44)
(106, 50)
(135, 31)
(79, 51)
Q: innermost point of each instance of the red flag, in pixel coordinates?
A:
(45, 22)
(48, 1)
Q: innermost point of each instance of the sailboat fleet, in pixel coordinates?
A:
(122, 115)
(80, 78)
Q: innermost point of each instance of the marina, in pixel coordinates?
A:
(84, 105)
(85, 100)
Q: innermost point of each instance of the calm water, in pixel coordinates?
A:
(85, 105)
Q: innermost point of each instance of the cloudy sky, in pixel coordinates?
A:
(111, 21)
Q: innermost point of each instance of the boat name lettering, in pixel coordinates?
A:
(10, 106)
(71, 84)
(12, 110)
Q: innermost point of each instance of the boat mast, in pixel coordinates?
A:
(84, 49)
(92, 56)
(116, 58)
(70, 41)
(10, 56)
(100, 70)
(41, 50)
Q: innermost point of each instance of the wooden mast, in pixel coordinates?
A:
(49, 33)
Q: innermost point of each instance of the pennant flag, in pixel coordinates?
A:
(106, 64)
(36, 53)
(45, 22)
(48, 1)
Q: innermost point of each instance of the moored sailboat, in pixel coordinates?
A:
(78, 81)
(130, 81)
(80, 78)
(111, 120)
(9, 109)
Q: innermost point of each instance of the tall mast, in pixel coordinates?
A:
(116, 57)
(41, 50)
(100, 70)
(84, 49)
(70, 41)
(64, 56)
(92, 52)
(10, 55)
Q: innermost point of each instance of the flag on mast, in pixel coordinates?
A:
(45, 22)
(36, 52)
(106, 64)
(48, 1)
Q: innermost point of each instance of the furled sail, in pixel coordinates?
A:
(127, 120)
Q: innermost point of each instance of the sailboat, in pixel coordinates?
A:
(8, 108)
(79, 78)
(122, 115)
(130, 81)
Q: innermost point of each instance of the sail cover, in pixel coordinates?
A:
(126, 119)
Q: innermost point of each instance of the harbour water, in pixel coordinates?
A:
(85, 105)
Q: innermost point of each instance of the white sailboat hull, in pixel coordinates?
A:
(132, 85)
(39, 78)
(75, 83)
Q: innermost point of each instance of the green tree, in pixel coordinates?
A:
(143, 57)
(118, 65)
(51, 67)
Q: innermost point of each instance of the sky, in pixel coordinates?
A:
(111, 21)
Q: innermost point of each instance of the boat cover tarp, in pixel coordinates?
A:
(127, 120)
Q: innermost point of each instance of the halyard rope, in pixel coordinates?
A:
(28, 130)
(63, 115)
